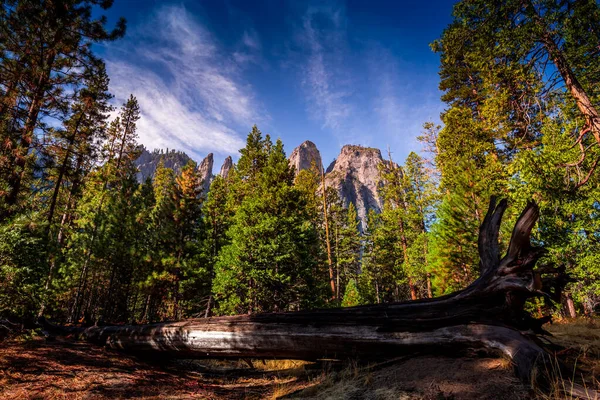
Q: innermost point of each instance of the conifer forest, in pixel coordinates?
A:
(91, 236)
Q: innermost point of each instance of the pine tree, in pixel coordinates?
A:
(511, 129)
(309, 182)
(73, 151)
(347, 248)
(268, 264)
(351, 295)
(188, 230)
(45, 51)
(105, 222)
(382, 277)
(527, 38)
(162, 229)
(217, 213)
(75, 146)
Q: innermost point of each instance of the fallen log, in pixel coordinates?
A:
(488, 314)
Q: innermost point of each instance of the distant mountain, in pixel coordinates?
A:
(205, 170)
(305, 155)
(226, 167)
(354, 173)
(148, 161)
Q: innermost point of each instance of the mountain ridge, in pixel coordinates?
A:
(354, 173)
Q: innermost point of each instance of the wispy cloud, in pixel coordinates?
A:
(323, 39)
(249, 49)
(191, 93)
(358, 89)
(401, 103)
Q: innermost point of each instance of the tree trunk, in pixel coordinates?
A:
(570, 306)
(487, 314)
(27, 133)
(429, 291)
(329, 261)
(411, 285)
(584, 103)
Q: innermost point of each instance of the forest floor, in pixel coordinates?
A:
(65, 369)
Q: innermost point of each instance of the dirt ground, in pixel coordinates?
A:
(72, 370)
(64, 369)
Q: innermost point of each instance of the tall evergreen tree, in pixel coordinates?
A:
(347, 246)
(188, 233)
(106, 217)
(46, 47)
(512, 128)
(217, 213)
(268, 264)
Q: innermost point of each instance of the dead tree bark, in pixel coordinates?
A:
(487, 314)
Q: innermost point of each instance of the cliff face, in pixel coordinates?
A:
(304, 155)
(148, 161)
(355, 175)
(205, 171)
(226, 167)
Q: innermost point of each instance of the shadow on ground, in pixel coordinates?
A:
(73, 370)
(64, 369)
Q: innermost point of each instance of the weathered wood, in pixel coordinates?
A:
(488, 314)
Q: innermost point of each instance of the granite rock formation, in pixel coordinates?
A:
(148, 161)
(205, 171)
(226, 167)
(355, 175)
(303, 156)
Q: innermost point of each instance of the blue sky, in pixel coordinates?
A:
(334, 72)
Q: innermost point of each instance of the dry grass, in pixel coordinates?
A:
(422, 377)
(279, 365)
(580, 340)
(582, 334)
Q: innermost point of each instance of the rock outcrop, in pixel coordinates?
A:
(205, 171)
(305, 155)
(226, 167)
(355, 175)
(176, 160)
(148, 161)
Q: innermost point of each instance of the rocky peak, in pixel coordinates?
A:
(205, 171)
(304, 155)
(355, 174)
(226, 167)
(149, 160)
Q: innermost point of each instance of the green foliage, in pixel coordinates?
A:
(82, 240)
(351, 295)
(512, 129)
(22, 269)
(268, 265)
(395, 263)
(45, 57)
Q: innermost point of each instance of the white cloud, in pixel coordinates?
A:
(251, 40)
(322, 37)
(401, 103)
(249, 50)
(191, 93)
